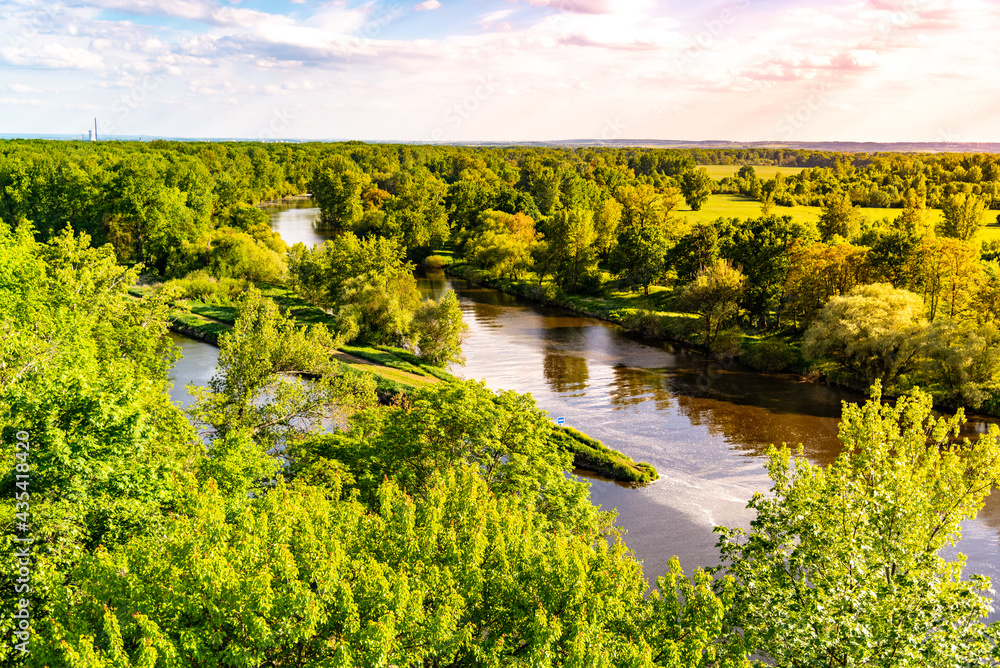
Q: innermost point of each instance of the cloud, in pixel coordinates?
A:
(51, 56)
(22, 102)
(577, 6)
(430, 4)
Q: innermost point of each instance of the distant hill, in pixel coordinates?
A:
(840, 146)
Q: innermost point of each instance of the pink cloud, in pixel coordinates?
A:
(430, 4)
(577, 6)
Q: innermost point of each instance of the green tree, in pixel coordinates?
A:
(760, 247)
(83, 372)
(503, 434)
(962, 216)
(456, 576)
(714, 294)
(571, 236)
(873, 333)
(607, 217)
(439, 331)
(252, 407)
(337, 189)
(694, 251)
(961, 363)
(839, 218)
(696, 186)
(842, 565)
(501, 243)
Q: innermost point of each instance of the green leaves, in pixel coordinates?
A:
(295, 579)
(440, 331)
(842, 564)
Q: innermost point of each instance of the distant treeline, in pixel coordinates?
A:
(159, 201)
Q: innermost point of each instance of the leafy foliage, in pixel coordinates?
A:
(842, 564)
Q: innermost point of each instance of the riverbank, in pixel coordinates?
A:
(648, 321)
(396, 373)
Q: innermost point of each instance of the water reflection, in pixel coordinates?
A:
(196, 367)
(631, 386)
(704, 425)
(297, 221)
(701, 424)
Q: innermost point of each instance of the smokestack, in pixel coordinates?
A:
(95, 128)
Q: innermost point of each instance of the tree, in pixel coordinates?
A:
(301, 577)
(963, 216)
(839, 218)
(714, 295)
(253, 408)
(696, 250)
(819, 272)
(639, 258)
(873, 333)
(337, 189)
(607, 217)
(501, 243)
(696, 186)
(439, 331)
(571, 237)
(759, 247)
(842, 565)
(961, 363)
(947, 271)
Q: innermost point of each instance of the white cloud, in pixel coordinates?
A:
(51, 56)
(430, 4)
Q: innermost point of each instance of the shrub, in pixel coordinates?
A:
(727, 344)
(545, 294)
(436, 261)
(770, 356)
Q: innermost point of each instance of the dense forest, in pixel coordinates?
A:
(555, 224)
(442, 529)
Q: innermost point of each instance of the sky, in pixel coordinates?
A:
(504, 70)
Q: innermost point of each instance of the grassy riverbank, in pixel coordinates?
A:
(396, 372)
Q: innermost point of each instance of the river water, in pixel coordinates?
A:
(702, 425)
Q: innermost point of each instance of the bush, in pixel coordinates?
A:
(644, 323)
(546, 294)
(727, 344)
(436, 262)
(770, 356)
(591, 283)
(202, 286)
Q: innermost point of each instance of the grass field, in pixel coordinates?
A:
(737, 206)
(718, 172)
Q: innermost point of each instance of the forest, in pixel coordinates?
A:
(439, 526)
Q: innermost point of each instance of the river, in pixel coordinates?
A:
(702, 425)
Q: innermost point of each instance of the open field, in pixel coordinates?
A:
(718, 172)
(737, 206)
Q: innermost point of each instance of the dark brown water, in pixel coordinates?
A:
(703, 426)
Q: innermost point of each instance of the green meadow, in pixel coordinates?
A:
(737, 206)
(719, 172)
